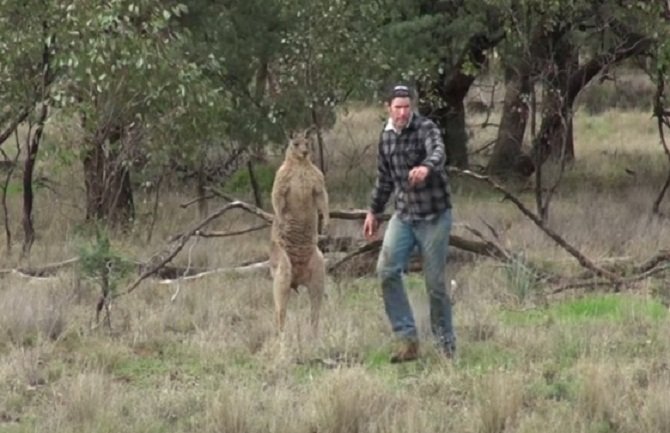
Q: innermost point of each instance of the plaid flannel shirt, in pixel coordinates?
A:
(420, 143)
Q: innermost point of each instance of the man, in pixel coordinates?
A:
(410, 163)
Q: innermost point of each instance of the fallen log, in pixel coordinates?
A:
(581, 258)
(41, 271)
(354, 214)
(244, 270)
(480, 248)
(598, 273)
(162, 258)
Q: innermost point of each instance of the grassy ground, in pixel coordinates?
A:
(203, 356)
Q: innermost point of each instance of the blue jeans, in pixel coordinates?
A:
(400, 239)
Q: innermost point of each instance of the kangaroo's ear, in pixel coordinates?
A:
(290, 134)
(309, 132)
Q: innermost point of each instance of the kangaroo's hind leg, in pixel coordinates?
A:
(315, 285)
(280, 267)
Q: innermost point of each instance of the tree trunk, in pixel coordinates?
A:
(109, 193)
(93, 163)
(5, 186)
(33, 145)
(28, 198)
(556, 132)
(28, 170)
(201, 192)
(557, 118)
(319, 140)
(507, 157)
(254, 185)
(120, 207)
(450, 91)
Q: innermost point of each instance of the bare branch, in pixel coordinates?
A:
(354, 214)
(9, 130)
(203, 234)
(484, 147)
(41, 271)
(579, 284)
(486, 248)
(165, 256)
(590, 282)
(249, 269)
(581, 258)
(493, 246)
(197, 200)
(368, 247)
(658, 258)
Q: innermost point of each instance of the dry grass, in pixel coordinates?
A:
(500, 401)
(208, 359)
(351, 148)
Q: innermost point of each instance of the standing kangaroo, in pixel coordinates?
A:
(298, 197)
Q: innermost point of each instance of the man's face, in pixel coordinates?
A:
(400, 109)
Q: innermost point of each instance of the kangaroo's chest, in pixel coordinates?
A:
(301, 188)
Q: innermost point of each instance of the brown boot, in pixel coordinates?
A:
(408, 351)
(449, 353)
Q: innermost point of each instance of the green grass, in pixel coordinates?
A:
(555, 387)
(484, 356)
(614, 308)
(142, 371)
(378, 358)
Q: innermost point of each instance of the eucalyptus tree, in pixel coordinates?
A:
(21, 49)
(441, 46)
(330, 53)
(234, 42)
(119, 69)
(129, 84)
(26, 76)
(286, 63)
(559, 47)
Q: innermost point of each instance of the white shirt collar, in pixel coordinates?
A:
(391, 127)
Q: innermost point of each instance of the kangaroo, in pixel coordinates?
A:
(298, 197)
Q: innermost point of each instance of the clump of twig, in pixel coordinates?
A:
(99, 262)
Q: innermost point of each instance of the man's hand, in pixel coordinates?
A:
(370, 227)
(418, 174)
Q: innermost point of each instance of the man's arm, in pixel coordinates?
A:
(384, 183)
(435, 151)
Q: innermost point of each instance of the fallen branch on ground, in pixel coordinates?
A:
(160, 260)
(611, 274)
(658, 268)
(249, 269)
(220, 234)
(41, 271)
(581, 258)
(487, 249)
(354, 214)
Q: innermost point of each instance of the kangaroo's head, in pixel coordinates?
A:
(300, 145)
